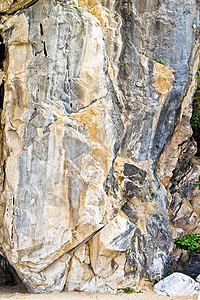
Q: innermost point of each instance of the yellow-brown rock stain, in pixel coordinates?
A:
(92, 119)
(107, 20)
(10, 6)
(163, 77)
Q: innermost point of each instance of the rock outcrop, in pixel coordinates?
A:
(96, 143)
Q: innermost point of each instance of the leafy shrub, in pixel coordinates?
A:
(198, 78)
(195, 119)
(190, 242)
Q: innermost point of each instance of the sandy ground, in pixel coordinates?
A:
(18, 293)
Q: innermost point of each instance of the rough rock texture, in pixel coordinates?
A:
(96, 148)
(177, 284)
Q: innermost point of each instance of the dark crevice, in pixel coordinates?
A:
(7, 273)
(2, 51)
(2, 57)
(195, 119)
(4, 176)
(45, 50)
(41, 30)
(12, 225)
(9, 277)
(1, 94)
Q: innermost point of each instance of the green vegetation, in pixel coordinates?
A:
(128, 290)
(75, 4)
(158, 59)
(198, 183)
(190, 242)
(195, 119)
(198, 78)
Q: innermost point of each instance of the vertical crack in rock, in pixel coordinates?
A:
(45, 50)
(2, 159)
(41, 30)
(195, 119)
(1, 94)
(2, 57)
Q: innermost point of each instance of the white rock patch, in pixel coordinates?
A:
(177, 284)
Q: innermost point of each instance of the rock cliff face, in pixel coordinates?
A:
(97, 168)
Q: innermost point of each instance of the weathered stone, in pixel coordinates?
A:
(177, 284)
(11, 6)
(51, 278)
(95, 151)
(104, 246)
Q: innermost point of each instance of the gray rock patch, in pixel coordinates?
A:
(177, 284)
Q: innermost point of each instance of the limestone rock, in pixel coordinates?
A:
(95, 139)
(105, 245)
(10, 6)
(177, 284)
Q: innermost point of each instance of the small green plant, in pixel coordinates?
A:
(128, 290)
(198, 183)
(195, 119)
(190, 242)
(198, 78)
(74, 3)
(169, 272)
(157, 59)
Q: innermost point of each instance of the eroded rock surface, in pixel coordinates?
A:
(177, 284)
(94, 133)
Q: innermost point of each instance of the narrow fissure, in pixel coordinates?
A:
(195, 119)
(41, 30)
(2, 57)
(2, 165)
(45, 50)
(1, 94)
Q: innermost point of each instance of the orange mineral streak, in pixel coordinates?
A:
(102, 157)
(166, 181)
(163, 77)
(143, 211)
(91, 118)
(111, 32)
